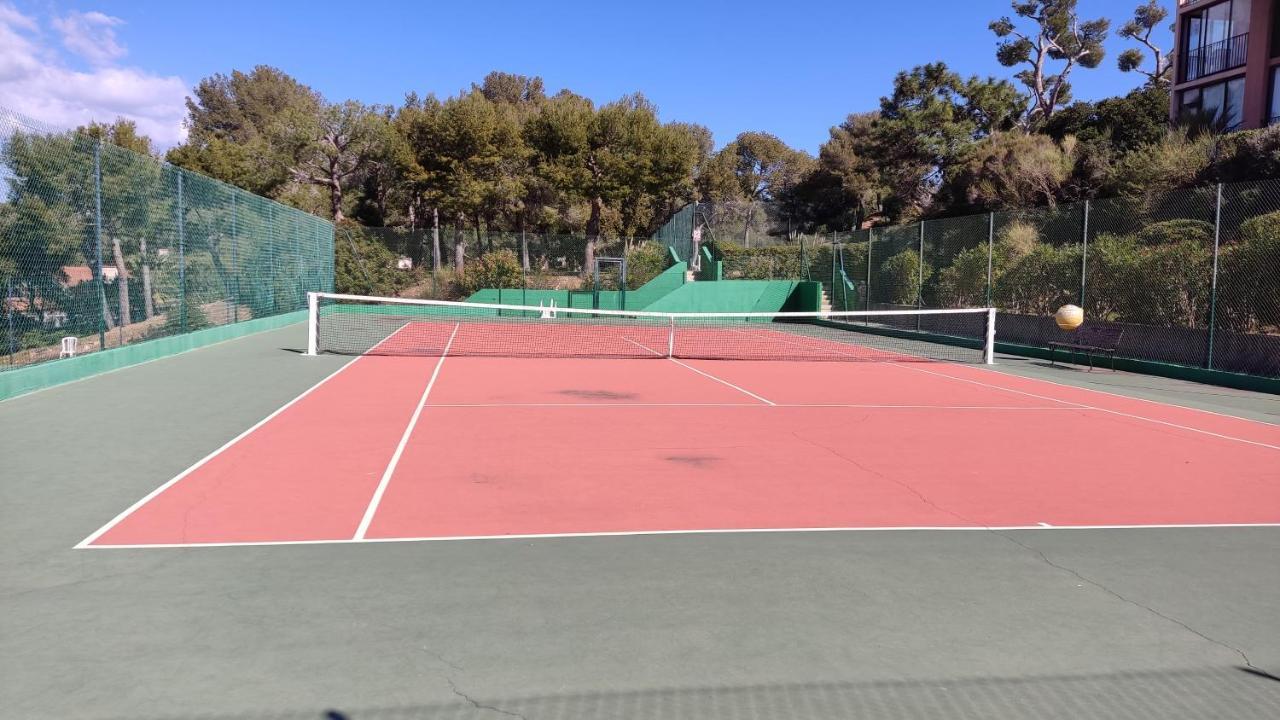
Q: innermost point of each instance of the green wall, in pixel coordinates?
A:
(56, 372)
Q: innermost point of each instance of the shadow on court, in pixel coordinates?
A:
(1227, 692)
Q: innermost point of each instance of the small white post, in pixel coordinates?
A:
(989, 347)
(671, 337)
(313, 322)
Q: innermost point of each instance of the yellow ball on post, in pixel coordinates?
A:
(1069, 317)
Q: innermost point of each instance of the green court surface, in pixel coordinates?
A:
(1060, 623)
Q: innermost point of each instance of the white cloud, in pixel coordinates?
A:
(34, 80)
(90, 35)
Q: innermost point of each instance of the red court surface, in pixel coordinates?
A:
(416, 448)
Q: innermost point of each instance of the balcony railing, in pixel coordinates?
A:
(1214, 58)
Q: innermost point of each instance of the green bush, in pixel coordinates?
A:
(900, 277)
(1249, 277)
(364, 266)
(644, 263)
(497, 269)
(1036, 280)
(1175, 231)
(964, 282)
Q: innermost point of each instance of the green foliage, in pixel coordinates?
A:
(497, 269)
(1250, 272)
(1053, 42)
(901, 275)
(1146, 19)
(364, 266)
(1170, 232)
(963, 283)
(645, 262)
(1135, 281)
(1036, 280)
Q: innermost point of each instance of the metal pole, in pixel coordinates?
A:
(832, 299)
(920, 281)
(235, 265)
(9, 313)
(991, 250)
(182, 258)
(1084, 253)
(271, 257)
(97, 241)
(671, 337)
(920, 267)
(870, 240)
(1213, 283)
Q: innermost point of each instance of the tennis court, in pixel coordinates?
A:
(447, 514)
(459, 422)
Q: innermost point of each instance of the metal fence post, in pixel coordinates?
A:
(1213, 283)
(97, 243)
(870, 241)
(235, 264)
(8, 306)
(832, 299)
(991, 251)
(271, 257)
(182, 257)
(920, 278)
(1084, 253)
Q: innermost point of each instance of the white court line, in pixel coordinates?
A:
(1093, 407)
(1084, 406)
(202, 461)
(722, 381)
(719, 531)
(704, 374)
(861, 406)
(376, 500)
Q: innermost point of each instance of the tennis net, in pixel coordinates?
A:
(358, 325)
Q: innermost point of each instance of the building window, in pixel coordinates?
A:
(1218, 107)
(1274, 115)
(1215, 39)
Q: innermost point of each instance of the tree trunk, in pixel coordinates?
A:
(460, 244)
(436, 261)
(593, 234)
(335, 196)
(122, 281)
(148, 304)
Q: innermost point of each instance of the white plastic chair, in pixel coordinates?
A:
(69, 347)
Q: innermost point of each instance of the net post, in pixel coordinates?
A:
(989, 344)
(313, 322)
(671, 337)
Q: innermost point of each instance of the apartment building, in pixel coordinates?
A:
(1227, 63)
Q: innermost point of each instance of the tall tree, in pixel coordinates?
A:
(329, 148)
(468, 153)
(1054, 44)
(131, 180)
(1146, 19)
(230, 119)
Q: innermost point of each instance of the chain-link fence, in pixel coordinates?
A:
(453, 265)
(1190, 277)
(101, 247)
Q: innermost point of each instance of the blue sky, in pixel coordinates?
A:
(791, 68)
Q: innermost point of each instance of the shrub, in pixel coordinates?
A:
(496, 269)
(644, 263)
(1175, 231)
(964, 282)
(899, 278)
(1249, 272)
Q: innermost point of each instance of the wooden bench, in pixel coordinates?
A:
(1091, 340)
